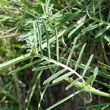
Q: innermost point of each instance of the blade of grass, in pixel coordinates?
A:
(48, 37)
(12, 29)
(76, 28)
(10, 95)
(99, 5)
(63, 100)
(104, 64)
(89, 28)
(80, 56)
(47, 6)
(103, 83)
(23, 67)
(33, 89)
(98, 105)
(42, 95)
(71, 52)
(57, 45)
(79, 4)
(107, 38)
(40, 38)
(87, 65)
(102, 31)
(108, 16)
(29, 13)
(35, 36)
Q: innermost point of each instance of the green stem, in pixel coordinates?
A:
(88, 88)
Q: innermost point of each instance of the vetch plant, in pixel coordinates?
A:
(36, 45)
(52, 41)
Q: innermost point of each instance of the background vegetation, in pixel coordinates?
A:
(53, 50)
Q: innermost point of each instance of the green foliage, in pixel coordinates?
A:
(63, 37)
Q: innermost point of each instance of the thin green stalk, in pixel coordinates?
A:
(88, 88)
